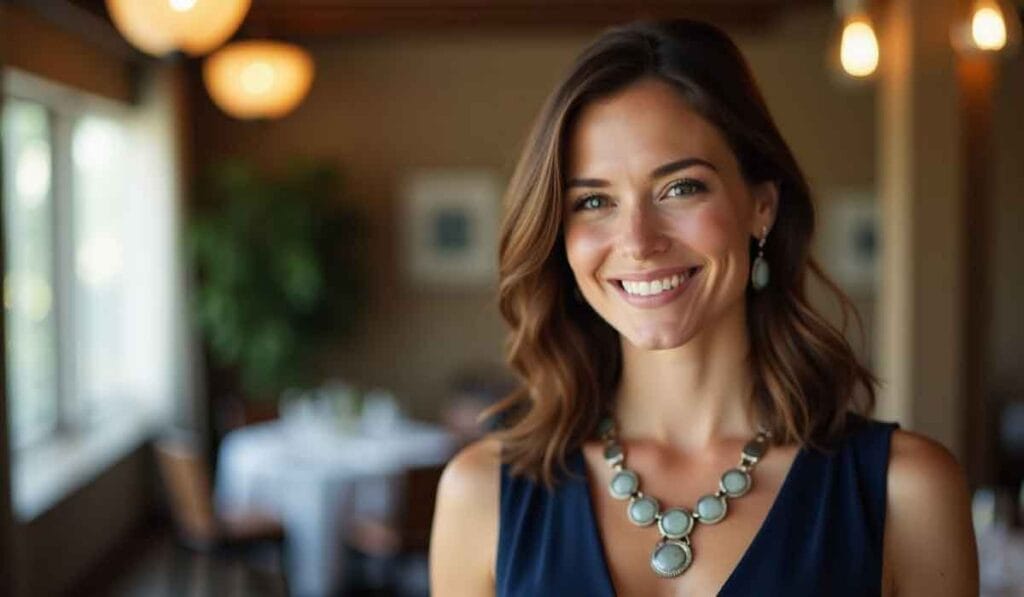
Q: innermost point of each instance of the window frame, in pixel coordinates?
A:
(65, 107)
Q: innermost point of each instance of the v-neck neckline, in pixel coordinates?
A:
(759, 536)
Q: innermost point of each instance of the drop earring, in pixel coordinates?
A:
(760, 273)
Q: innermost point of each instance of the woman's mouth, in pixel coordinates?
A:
(653, 292)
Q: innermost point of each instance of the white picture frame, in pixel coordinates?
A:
(450, 222)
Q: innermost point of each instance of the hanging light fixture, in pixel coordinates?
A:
(258, 78)
(986, 26)
(858, 44)
(159, 27)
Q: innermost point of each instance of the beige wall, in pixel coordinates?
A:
(383, 105)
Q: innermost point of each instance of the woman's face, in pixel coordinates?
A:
(658, 216)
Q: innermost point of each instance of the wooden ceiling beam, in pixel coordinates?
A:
(324, 19)
(307, 19)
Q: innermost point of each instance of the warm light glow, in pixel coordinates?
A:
(258, 79)
(182, 5)
(161, 26)
(858, 51)
(988, 29)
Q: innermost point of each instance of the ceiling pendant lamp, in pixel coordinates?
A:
(195, 27)
(258, 78)
(986, 26)
(857, 44)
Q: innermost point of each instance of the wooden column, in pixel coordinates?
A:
(977, 76)
(921, 308)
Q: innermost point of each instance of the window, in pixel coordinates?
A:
(92, 291)
(29, 280)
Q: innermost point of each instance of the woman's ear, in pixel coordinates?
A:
(766, 206)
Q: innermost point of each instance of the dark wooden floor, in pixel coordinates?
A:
(153, 565)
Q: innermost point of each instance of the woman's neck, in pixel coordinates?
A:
(692, 397)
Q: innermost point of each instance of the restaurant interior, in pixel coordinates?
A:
(249, 255)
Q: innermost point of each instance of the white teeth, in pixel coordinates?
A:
(653, 287)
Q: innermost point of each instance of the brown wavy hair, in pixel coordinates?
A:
(806, 375)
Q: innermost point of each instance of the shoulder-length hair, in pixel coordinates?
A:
(806, 375)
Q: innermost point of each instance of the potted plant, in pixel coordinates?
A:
(276, 261)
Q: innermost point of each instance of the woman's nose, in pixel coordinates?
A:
(641, 236)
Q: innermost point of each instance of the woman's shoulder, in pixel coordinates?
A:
(925, 478)
(929, 541)
(464, 537)
(473, 469)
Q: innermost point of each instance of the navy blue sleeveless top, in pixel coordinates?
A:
(822, 535)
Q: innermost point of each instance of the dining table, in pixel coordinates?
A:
(317, 475)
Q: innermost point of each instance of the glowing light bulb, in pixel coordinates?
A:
(858, 50)
(257, 77)
(182, 5)
(988, 29)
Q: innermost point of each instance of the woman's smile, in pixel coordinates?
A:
(656, 288)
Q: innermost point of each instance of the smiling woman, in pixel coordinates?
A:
(670, 385)
(639, 214)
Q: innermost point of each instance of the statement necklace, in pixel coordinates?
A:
(673, 553)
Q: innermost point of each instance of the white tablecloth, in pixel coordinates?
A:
(316, 477)
(1001, 561)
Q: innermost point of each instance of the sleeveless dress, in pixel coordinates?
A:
(822, 535)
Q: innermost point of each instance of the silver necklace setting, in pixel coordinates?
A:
(673, 553)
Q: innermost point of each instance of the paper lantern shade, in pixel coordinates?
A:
(258, 79)
(196, 27)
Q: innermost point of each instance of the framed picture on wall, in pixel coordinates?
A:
(850, 239)
(450, 223)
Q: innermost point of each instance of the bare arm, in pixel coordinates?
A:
(464, 537)
(929, 541)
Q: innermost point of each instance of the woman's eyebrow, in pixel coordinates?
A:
(680, 165)
(656, 173)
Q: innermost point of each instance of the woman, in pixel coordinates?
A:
(687, 424)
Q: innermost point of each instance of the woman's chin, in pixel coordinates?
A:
(657, 339)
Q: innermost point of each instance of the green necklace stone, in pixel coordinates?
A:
(673, 553)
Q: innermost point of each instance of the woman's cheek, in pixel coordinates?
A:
(710, 231)
(584, 244)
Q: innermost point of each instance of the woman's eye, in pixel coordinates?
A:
(685, 187)
(589, 202)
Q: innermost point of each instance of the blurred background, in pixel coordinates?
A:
(249, 263)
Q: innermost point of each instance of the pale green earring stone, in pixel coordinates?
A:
(760, 274)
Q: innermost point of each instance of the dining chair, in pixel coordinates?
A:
(401, 542)
(200, 527)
